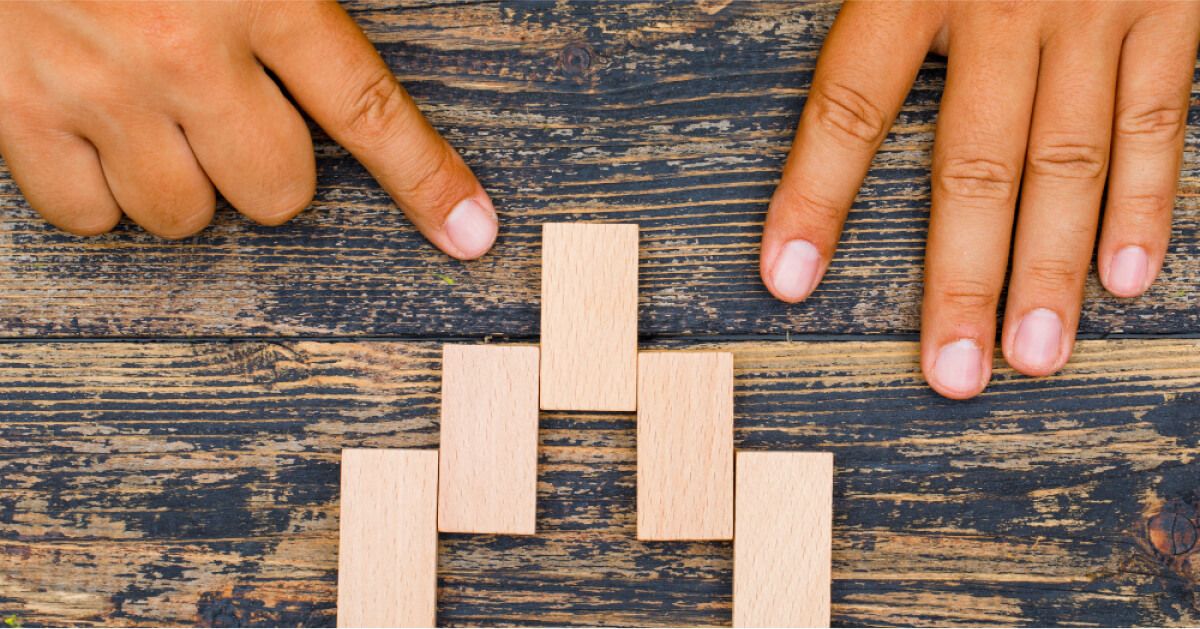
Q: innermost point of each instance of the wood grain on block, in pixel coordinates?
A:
(685, 446)
(387, 557)
(243, 432)
(488, 468)
(781, 556)
(589, 317)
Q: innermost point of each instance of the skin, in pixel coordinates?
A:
(142, 109)
(1061, 102)
(148, 109)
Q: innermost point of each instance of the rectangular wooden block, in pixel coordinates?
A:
(589, 317)
(488, 470)
(781, 571)
(685, 446)
(387, 557)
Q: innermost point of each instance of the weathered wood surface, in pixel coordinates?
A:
(674, 115)
(197, 483)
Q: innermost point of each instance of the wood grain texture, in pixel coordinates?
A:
(388, 541)
(197, 483)
(181, 483)
(589, 317)
(673, 115)
(781, 560)
(488, 440)
(685, 446)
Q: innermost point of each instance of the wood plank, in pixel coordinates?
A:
(487, 481)
(781, 566)
(589, 317)
(562, 121)
(196, 483)
(685, 446)
(387, 556)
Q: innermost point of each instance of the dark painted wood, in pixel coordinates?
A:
(180, 483)
(675, 115)
(197, 483)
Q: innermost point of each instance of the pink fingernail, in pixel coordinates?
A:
(1127, 272)
(1039, 339)
(472, 228)
(795, 273)
(959, 366)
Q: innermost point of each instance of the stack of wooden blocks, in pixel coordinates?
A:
(394, 502)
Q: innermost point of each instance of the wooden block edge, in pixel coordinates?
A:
(355, 452)
(828, 459)
(531, 528)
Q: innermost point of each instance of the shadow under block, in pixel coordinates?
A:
(781, 556)
(387, 556)
(488, 469)
(685, 446)
(589, 317)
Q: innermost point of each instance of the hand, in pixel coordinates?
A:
(1053, 97)
(143, 108)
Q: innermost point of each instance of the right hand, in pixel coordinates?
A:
(141, 109)
(1065, 101)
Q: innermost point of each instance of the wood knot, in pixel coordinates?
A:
(1172, 533)
(575, 59)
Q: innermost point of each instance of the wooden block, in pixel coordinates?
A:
(387, 558)
(488, 470)
(685, 446)
(589, 316)
(781, 573)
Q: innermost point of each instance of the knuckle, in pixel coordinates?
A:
(1053, 276)
(187, 219)
(1143, 209)
(374, 109)
(847, 115)
(812, 208)
(429, 179)
(1151, 122)
(974, 177)
(968, 298)
(1067, 159)
(285, 203)
(101, 87)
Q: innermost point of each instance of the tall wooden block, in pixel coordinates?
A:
(387, 558)
(488, 470)
(685, 446)
(781, 573)
(589, 316)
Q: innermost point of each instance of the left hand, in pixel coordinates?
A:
(1053, 98)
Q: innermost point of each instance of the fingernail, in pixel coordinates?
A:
(1039, 339)
(1127, 271)
(472, 228)
(796, 268)
(959, 366)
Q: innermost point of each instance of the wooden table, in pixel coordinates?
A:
(171, 413)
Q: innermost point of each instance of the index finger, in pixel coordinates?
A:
(337, 76)
(866, 67)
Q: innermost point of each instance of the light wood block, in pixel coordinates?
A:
(488, 470)
(387, 557)
(781, 572)
(589, 317)
(685, 446)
